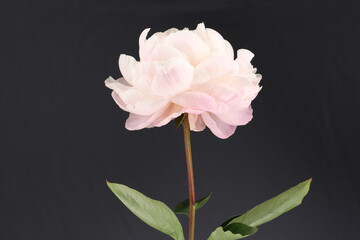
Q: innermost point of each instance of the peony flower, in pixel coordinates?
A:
(187, 71)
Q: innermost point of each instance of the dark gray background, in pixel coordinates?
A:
(62, 135)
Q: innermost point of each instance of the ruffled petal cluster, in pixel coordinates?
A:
(187, 71)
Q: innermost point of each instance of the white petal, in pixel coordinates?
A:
(163, 79)
(201, 32)
(172, 77)
(213, 69)
(119, 101)
(133, 100)
(190, 44)
(128, 65)
(162, 52)
(247, 90)
(220, 92)
(147, 46)
(146, 106)
(219, 46)
(145, 72)
(218, 127)
(142, 41)
(112, 83)
(244, 55)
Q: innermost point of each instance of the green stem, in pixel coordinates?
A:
(190, 172)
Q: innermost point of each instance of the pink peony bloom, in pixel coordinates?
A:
(187, 71)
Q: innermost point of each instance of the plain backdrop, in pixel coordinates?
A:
(62, 135)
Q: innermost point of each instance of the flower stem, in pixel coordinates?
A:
(190, 172)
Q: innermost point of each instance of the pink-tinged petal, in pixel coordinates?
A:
(190, 44)
(137, 122)
(172, 77)
(163, 79)
(137, 105)
(247, 90)
(197, 102)
(196, 122)
(128, 65)
(220, 92)
(171, 112)
(239, 83)
(147, 106)
(162, 52)
(158, 119)
(119, 101)
(218, 127)
(133, 100)
(237, 117)
(214, 69)
(145, 73)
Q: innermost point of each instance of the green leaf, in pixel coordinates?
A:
(232, 231)
(244, 225)
(154, 213)
(274, 207)
(179, 120)
(183, 207)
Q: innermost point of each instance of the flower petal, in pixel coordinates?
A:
(119, 101)
(133, 100)
(171, 112)
(196, 122)
(197, 102)
(219, 46)
(162, 52)
(142, 40)
(147, 106)
(244, 57)
(158, 119)
(217, 126)
(237, 117)
(137, 122)
(112, 83)
(220, 92)
(128, 65)
(147, 46)
(214, 68)
(201, 32)
(247, 90)
(172, 77)
(190, 44)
